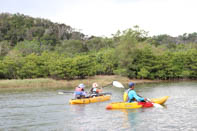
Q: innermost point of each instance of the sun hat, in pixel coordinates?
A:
(81, 85)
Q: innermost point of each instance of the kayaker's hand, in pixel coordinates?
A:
(145, 99)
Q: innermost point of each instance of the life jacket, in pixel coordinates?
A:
(96, 90)
(78, 89)
(126, 97)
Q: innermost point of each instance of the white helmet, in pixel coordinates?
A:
(81, 85)
(94, 85)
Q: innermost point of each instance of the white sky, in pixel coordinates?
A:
(106, 17)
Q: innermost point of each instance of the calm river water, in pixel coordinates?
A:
(45, 111)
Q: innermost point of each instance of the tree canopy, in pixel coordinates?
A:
(35, 47)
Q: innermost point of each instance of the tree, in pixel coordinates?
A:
(70, 47)
(4, 48)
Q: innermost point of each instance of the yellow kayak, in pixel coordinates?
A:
(135, 105)
(90, 100)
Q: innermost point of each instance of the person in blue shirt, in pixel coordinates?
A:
(132, 95)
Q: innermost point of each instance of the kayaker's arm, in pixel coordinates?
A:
(137, 97)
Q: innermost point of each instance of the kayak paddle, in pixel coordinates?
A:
(64, 92)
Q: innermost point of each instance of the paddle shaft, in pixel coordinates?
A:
(103, 93)
(66, 91)
(107, 85)
(101, 87)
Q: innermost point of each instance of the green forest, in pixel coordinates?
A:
(38, 48)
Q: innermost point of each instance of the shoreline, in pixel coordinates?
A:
(51, 83)
(102, 80)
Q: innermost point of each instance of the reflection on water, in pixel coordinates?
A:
(129, 118)
(51, 111)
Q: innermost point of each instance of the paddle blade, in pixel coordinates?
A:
(60, 93)
(155, 104)
(117, 84)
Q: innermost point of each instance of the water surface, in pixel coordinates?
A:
(47, 110)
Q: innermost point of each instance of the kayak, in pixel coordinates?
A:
(135, 105)
(90, 100)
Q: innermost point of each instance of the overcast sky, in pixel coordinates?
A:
(106, 17)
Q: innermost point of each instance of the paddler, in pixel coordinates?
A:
(95, 90)
(132, 95)
(80, 92)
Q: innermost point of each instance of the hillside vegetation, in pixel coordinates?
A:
(38, 48)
